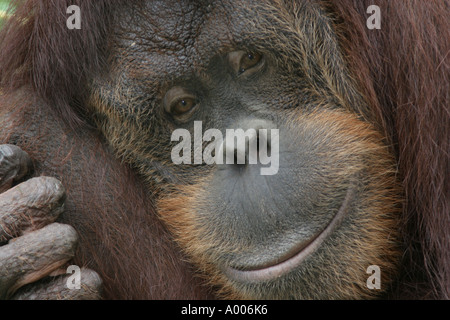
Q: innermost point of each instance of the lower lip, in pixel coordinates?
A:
(282, 268)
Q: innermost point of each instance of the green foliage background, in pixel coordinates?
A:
(3, 6)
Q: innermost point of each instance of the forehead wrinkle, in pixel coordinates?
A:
(161, 38)
(165, 40)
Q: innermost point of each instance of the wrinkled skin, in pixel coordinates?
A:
(312, 229)
(40, 246)
(309, 231)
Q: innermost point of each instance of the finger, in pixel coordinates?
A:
(30, 206)
(57, 288)
(14, 165)
(34, 256)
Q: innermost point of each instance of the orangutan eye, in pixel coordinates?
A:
(180, 103)
(248, 61)
(243, 62)
(182, 106)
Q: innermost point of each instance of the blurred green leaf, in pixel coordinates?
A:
(3, 6)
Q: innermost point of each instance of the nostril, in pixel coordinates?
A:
(236, 160)
(264, 141)
(258, 142)
(250, 143)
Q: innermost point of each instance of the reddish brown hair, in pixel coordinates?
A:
(37, 48)
(402, 69)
